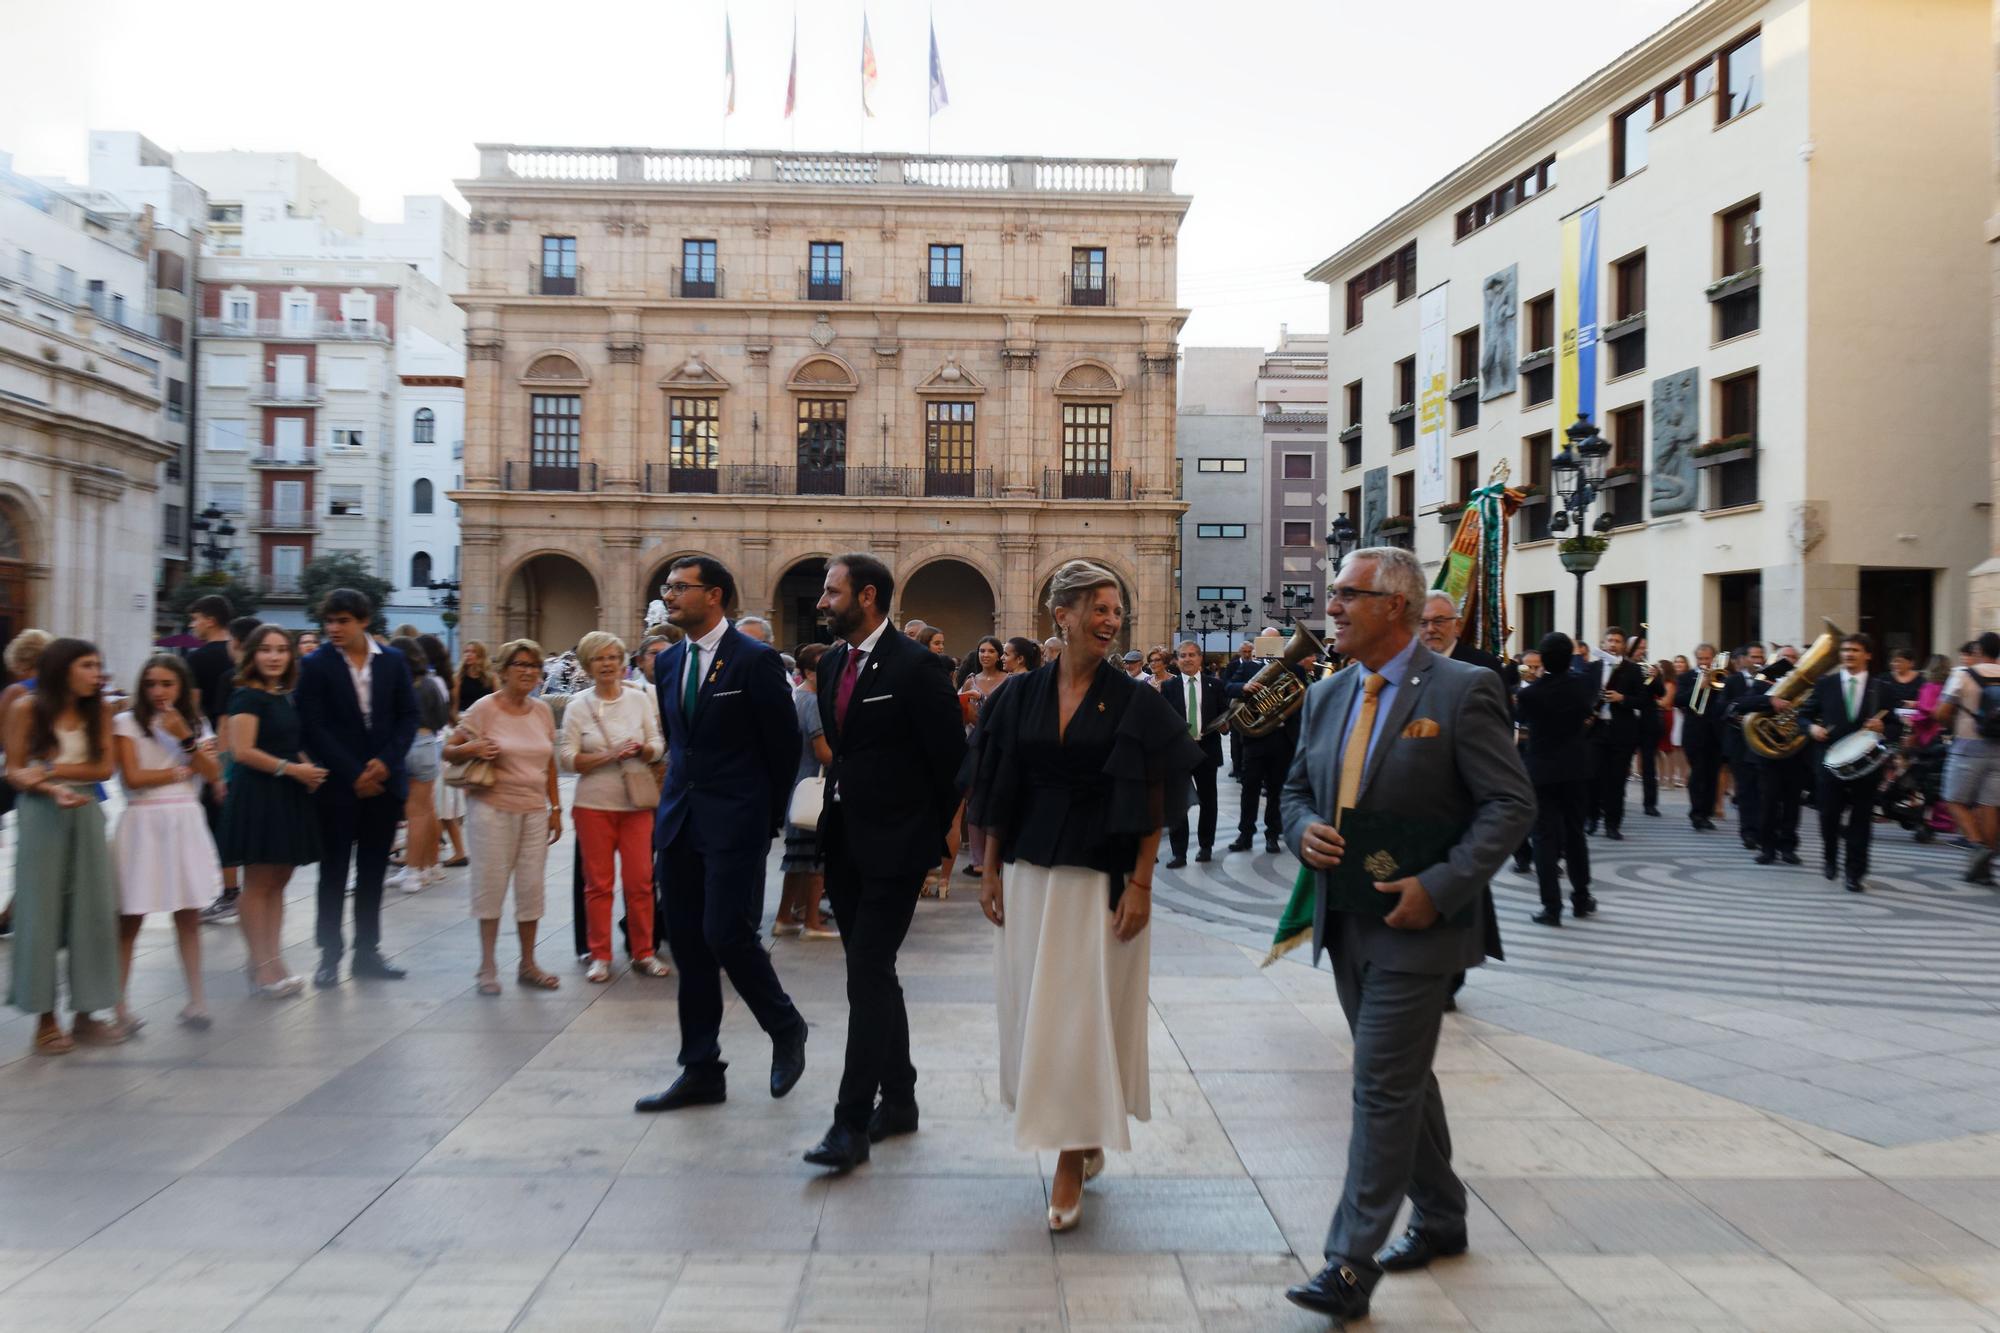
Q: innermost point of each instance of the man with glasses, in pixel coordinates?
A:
(1439, 631)
(732, 751)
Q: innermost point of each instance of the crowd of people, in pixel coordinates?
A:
(1055, 767)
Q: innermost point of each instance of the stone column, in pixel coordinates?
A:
(480, 595)
(756, 594)
(619, 453)
(1158, 614)
(1017, 477)
(1014, 603)
(620, 605)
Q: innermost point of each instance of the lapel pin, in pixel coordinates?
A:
(1100, 707)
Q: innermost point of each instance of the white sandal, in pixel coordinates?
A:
(653, 966)
(599, 971)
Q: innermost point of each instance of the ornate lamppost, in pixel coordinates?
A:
(1579, 475)
(212, 544)
(444, 593)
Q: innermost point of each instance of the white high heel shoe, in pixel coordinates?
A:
(1065, 1219)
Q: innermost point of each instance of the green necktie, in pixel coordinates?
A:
(692, 690)
(1193, 711)
(1853, 697)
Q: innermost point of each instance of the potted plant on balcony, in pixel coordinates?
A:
(1725, 449)
(1395, 525)
(1618, 328)
(1463, 388)
(1538, 358)
(1725, 287)
(1580, 554)
(1619, 474)
(1401, 411)
(1534, 493)
(1350, 433)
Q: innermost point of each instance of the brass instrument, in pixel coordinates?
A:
(1710, 680)
(1777, 735)
(1279, 693)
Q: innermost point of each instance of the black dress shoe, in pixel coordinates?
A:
(1178, 863)
(1750, 844)
(1583, 906)
(327, 973)
(1271, 845)
(1790, 858)
(788, 1062)
(1652, 810)
(1334, 1290)
(1591, 828)
(1829, 869)
(842, 1149)
(1614, 835)
(372, 964)
(1767, 858)
(1524, 867)
(1451, 1004)
(690, 1089)
(1548, 916)
(1204, 855)
(890, 1120)
(1415, 1248)
(1240, 845)
(1855, 884)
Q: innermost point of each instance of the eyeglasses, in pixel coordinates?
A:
(677, 589)
(524, 666)
(1437, 622)
(1348, 596)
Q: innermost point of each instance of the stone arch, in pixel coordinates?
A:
(951, 593)
(21, 565)
(795, 598)
(823, 373)
(1087, 377)
(551, 596)
(555, 366)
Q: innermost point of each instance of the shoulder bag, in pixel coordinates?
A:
(473, 774)
(642, 781)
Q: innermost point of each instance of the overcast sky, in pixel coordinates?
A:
(1296, 125)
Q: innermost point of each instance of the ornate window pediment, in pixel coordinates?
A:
(1089, 379)
(823, 374)
(694, 375)
(555, 368)
(951, 380)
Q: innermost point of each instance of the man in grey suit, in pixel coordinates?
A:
(1403, 731)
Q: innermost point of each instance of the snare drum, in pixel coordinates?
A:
(1856, 755)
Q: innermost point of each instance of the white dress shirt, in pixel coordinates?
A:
(867, 646)
(1853, 689)
(707, 643)
(364, 680)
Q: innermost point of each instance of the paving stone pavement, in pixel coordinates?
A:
(413, 1156)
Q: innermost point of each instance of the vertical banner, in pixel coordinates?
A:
(1433, 373)
(1576, 321)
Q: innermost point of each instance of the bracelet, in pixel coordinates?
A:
(1133, 883)
(279, 771)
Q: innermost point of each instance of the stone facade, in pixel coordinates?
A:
(938, 408)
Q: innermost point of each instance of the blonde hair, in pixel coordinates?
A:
(25, 649)
(1076, 581)
(513, 646)
(595, 642)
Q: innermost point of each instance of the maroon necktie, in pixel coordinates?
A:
(844, 693)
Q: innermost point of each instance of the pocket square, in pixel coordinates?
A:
(725, 694)
(877, 698)
(1421, 729)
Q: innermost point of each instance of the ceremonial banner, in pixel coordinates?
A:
(1576, 321)
(1433, 373)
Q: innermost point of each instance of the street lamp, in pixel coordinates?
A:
(216, 530)
(1340, 539)
(1579, 476)
(444, 592)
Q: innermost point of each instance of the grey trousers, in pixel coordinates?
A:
(1399, 1144)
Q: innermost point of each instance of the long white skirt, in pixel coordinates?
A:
(1072, 1003)
(447, 800)
(166, 858)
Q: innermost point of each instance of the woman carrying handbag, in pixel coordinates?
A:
(611, 740)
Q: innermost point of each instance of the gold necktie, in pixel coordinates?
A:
(1354, 759)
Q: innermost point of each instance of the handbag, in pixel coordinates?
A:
(642, 780)
(474, 773)
(808, 800)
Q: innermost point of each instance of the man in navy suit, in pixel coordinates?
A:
(1210, 702)
(359, 715)
(1842, 703)
(732, 752)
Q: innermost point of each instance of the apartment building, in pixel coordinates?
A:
(1758, 273)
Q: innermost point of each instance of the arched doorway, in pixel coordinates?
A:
(649, 590)
(795, 603)
(14, 606)
(952, 596)
(1045, 624)
(552, 599)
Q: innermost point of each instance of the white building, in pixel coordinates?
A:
(304, 412)
(1790, 199)
(430, 448)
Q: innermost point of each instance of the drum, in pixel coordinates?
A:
(1856, 756)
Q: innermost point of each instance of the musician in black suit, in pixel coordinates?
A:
(1651, 721)
(1842, 703)
(1209, 704)
(1701, 736)
(1615, 735)
(893, 723)
(1528, 669)
(1240, 672)
(1745, 770)
(1556, 709)
(1266, 760)
(1776, 779)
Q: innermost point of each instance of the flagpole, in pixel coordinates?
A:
(929, 115)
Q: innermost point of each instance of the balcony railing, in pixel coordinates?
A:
(942, 293)
(270, 391)
(526, 476)
(694, 286)
(541, 283)
(824, 286)
(890, 483)
(291, 456)
(871, 172)
(284, 520)
(1093, 290)
(1058, 484)
(278, 330)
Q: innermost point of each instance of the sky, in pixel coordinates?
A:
(1296, 125)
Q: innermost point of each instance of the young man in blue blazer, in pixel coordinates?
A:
(358, 711)
(732, 752)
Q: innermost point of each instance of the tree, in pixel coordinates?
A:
(243, 596)
(344, 569)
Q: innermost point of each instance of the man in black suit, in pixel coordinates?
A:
(1199, 699)
(1841, 704)
(1439, 631)
(891, 793)
(1556, 708)
(1239, 673)
(358, 713)
(1266, 760)
(1615, 736)
(1745, 768)
(732, 753)
(1701, 736)
(1526, 671)
(1778, 780)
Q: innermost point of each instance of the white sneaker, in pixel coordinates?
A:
(433, 875)
(406, 880)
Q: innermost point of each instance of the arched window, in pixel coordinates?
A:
(420, 570)
(420, 496)
(423, 430)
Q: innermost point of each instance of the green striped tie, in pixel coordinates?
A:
(692, 690)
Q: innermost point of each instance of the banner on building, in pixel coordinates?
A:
(1576, 320)
(1433, 382)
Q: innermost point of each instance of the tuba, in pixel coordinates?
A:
(1707, 683)
(1279, 694)
(1776, 735)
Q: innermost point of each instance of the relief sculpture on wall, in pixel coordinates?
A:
(1499, 359)
(1374, 504)
(1676, 432)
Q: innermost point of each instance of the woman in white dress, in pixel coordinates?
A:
(1072, 775)
(165, 856)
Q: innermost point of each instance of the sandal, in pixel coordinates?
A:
(536, 979)
(488, 983)
(93, 1033)
(196, 1019)
(53, 1041)
(597, 973)
(456, 862)
(652, 965)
